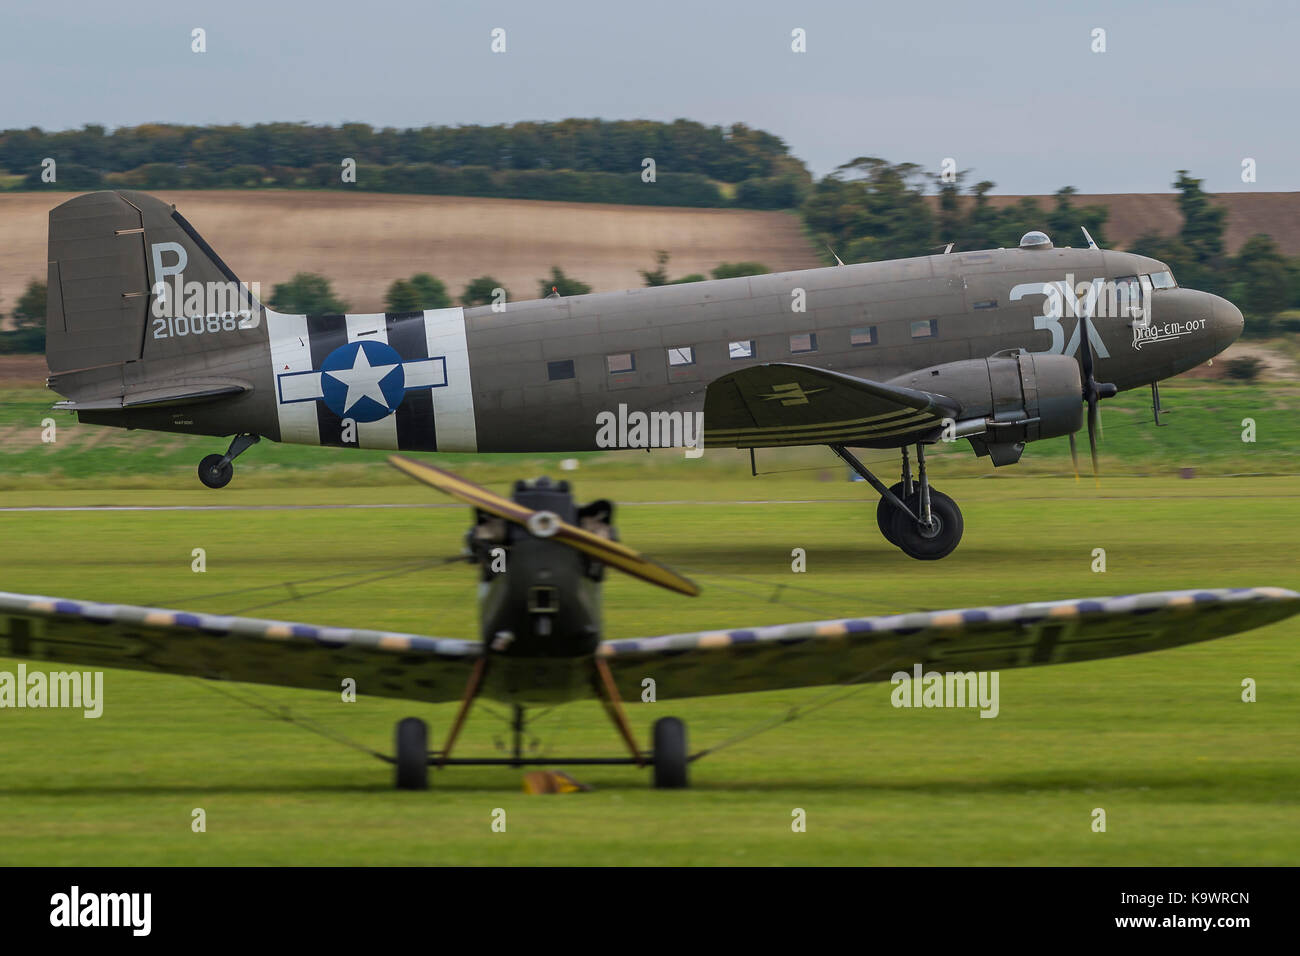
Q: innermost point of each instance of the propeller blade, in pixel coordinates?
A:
(1074, 456)
(1094, 417)
(1085, 352)
(544, 524)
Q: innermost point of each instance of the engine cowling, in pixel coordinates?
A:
(1007, 399)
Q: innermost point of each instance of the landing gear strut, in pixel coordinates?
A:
(921, 522)
(215, 471)
(668, 760)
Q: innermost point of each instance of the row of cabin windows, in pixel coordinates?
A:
(801, 343)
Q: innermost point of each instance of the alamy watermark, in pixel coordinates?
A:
(950, 689)
(82, 690)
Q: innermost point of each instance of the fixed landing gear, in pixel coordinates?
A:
(411, 741)
(927, 541)
(215, 471)
(920, 521)
(670, 755)
(412, 759)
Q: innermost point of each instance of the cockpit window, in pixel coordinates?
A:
(1162, 280)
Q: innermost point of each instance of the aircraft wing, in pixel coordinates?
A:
(382, 663)
(782, 403)
(976, 639)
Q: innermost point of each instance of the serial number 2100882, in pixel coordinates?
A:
(176, 326)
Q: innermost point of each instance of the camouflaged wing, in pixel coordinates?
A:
(783, 403)
(860, 650)
(383, 663)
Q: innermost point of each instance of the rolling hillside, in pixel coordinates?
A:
(363, 241)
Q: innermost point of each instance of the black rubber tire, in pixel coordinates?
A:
(884, 510)
(670, 754)
(411, 741)
(930, 545)
(213, 474)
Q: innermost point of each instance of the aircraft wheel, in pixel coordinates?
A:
(213, 474)
(885, 512)
(669, 754)
(412, 740)
(933, 542)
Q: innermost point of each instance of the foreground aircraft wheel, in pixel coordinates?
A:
(669, 754)
(885, 513)
(213, 474)
(412, 739)
(935, 541)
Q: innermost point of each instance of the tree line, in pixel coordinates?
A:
(870, 209)
(575, 160)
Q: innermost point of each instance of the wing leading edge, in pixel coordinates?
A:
(862, 650)
(382, 663)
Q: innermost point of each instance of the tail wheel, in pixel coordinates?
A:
(412, 745)
(927, 542)
(213, 473)
(669, 754)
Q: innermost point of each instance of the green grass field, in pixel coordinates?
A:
(1186, 772)
(1203, 431)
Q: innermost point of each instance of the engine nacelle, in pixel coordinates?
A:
(1007, 399)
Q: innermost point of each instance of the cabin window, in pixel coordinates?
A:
(558, 371)
(682, 356)
(925, 328)
(986, 304)
(620, 362)
(863, 336)
(741, 350)
(1162, 280)
(803, 342)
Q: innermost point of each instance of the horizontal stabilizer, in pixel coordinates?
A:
(156, 397)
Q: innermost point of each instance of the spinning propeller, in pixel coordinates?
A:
(547, 524)
(1093, 392)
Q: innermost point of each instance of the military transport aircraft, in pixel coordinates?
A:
(149, 328)
(542, 561)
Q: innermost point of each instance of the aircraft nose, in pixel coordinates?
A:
(1228, 322)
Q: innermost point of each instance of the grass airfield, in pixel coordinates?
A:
(1186, 772)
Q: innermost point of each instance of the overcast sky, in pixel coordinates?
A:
(1010, 90)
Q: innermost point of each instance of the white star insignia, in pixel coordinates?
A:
(363, 381)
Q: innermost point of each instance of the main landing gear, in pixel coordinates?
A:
(921, 522)
(215, 471)
(668, 760)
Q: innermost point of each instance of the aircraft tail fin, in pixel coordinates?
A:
(111, 255)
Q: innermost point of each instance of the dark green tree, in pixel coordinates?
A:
(733, 270)
(564, 285)
(659, 274)
(29, 312)
(421, 291)
(480, 291)
(1064, 220)
(1203, 223)
(1261, 270)
(306, 294)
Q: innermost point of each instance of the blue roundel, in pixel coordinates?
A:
(363, 381)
